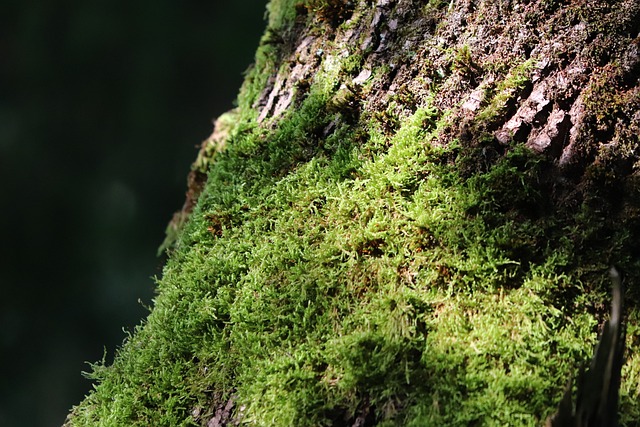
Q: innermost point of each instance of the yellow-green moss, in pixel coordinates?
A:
(504, 90)
(332, 270)
(311, 285)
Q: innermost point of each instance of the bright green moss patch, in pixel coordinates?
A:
(282, 13)
(339, 268)
(324, 274)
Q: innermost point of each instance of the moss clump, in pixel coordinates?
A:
(318, 277)
(333, 12)
(504, 91)
(335, 270)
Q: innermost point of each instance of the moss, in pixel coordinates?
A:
(352, 64)
(499, 95)
(282, 14)
(333, 12)
(607, 100)
(337, 281)
(434, 6)
(463, 63)
(338, 269)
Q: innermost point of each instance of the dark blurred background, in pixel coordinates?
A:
(102, 106)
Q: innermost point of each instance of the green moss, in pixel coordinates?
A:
(333, 12)
(463, 62)
(608, 101)
(352, 65)
(319, 276)
(504, 90)
(282, 14)
(434, 6)
(332, 269)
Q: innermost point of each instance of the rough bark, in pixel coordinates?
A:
(531, 106)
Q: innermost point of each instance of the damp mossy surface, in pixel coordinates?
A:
(332, 269)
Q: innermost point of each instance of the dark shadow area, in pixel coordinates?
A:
(102, 107)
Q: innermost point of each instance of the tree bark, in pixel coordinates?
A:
(495, 148)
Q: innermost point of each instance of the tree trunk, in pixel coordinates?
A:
(407, 220)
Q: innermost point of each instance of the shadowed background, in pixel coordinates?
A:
(102, 106)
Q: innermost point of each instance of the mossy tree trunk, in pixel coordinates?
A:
(407, 220)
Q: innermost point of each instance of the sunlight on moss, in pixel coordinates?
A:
(331, 269)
